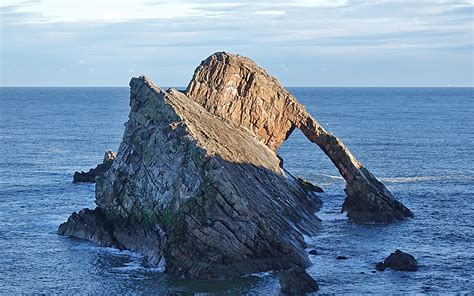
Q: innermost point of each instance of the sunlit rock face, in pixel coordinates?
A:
(197, 185)
(236, 89)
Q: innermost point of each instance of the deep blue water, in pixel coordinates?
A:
(418, 141)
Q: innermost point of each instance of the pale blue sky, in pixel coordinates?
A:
(301, 42)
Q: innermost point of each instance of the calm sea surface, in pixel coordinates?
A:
(418, 141)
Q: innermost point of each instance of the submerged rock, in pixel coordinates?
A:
(296, 281)
(313, 252)
(398, 260)
(89, 177)
(197, 183)
(342, 258)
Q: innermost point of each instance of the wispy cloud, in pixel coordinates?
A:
(317, 3)
(111, 10)
(111, 35)
(271, 12)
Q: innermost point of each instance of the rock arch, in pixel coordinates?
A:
(235, 88)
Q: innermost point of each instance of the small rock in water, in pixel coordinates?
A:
(306, 185)
(398, 260)
(313, 252)
(296, 281)
(342, 258)
(380, 266)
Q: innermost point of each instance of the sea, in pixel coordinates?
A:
(418, 141)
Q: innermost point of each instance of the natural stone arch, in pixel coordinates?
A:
(235, 88)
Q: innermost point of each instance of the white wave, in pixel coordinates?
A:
(427, 178)
(332, 176)
(332, 216)
(90, 246)
(136, 265)
(413, 178)
(130, 266)
(259, 274)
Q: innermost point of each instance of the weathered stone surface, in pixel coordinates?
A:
(89, 177)
(213, 198)
(296, 281)
(93, 225)
(236, 89)
(398, 260)
(90, 225)
(197, 183)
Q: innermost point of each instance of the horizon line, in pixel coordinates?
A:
(293, 86)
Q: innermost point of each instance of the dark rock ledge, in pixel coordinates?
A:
(99, 170)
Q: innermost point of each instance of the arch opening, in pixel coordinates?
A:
(303, 160)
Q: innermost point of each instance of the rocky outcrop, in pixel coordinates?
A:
(398, 260)
(211, 197)
(236, 89)
(89, 177)
(90, 225)
(295, 281)
(197, 184)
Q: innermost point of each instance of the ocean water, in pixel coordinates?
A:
(418, 141)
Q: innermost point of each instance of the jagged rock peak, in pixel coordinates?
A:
(197, 192)
(236, 88)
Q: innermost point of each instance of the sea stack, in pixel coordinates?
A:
(197, 184)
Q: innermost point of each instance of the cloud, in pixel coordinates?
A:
(155, 35)
(317, 3)
(271, 12)
(112, 10)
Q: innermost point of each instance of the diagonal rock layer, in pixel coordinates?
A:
(197, 185)
(235, 88)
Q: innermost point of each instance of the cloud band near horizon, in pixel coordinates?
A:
(301, 42)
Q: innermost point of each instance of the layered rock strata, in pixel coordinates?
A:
(236, 89)
(197, 184)
(198, 192)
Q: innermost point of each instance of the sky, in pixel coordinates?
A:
(301, 42)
